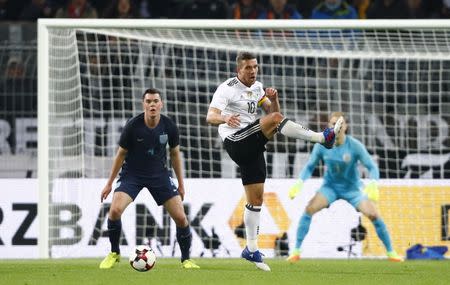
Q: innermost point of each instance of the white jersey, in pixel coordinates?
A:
(233, 97)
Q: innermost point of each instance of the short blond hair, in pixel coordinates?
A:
(338, 114)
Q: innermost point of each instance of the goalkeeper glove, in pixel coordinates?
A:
(372, 191)
(295, 189)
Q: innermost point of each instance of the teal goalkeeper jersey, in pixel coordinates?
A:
(341, 163)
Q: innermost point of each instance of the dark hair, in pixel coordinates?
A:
(244, 55)
(151, 91)
(112, 11)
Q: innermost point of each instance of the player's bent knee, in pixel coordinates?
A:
(372, 216)
(181, 221)
(115, 213)
(311, 209)
(272, 120)
(276, 117)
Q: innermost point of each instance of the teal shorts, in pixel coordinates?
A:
(351, 194)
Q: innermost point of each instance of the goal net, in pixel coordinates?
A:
(390, 78)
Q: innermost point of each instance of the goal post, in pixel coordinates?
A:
(43, 138)
(391, 78)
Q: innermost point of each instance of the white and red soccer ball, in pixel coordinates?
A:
(143, 258)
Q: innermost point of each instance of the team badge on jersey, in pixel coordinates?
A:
(163, 139)
(346, 157)
(251, 95)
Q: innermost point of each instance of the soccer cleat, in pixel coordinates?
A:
(330, 137)
(331, 133)
(189, 264)
(256, 258)
(110, 260)
(393, 256)
(294, 256)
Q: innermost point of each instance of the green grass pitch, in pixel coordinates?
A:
(225, 271)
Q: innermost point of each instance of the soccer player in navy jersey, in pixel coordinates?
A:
(234, 108)
(341, 181)
(142, 159)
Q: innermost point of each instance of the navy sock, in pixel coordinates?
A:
(114, 231)
(184, 238)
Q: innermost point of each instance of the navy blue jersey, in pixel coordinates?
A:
(147, 147)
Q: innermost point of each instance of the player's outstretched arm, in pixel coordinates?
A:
(117, 164)
(371, 188)
(306, 172)
(175, 159)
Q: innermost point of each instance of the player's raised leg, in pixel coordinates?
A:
(274, 122)
(120, 201)
(369, 210)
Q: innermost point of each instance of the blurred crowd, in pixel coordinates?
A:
(30, 10)
(388, 86)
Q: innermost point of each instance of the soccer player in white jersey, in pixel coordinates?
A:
(234, 108)
(341, 181)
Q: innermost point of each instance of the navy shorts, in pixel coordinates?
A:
(161, 193)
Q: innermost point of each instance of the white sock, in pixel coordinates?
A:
(294, 130)
(251, 221)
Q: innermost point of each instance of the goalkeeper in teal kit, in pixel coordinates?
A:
(341, 181)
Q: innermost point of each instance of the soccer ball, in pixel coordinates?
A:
(143, 258)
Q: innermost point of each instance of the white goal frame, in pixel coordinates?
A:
(43, 70)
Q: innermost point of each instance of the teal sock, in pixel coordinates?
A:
(302, 230)
(383, 233)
